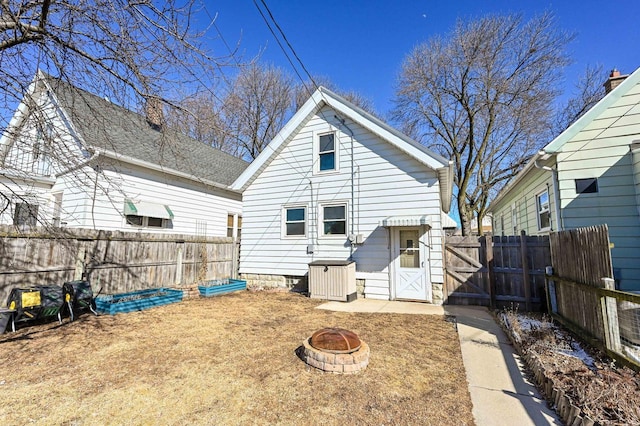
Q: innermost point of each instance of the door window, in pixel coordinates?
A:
(409, 249)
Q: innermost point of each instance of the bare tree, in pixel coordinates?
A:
(257, 106)
(587, 92)
(128, 52)
(116, 48)
(481, 96)
(203, 116)
(304, 90)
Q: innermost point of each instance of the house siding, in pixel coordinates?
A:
(189, 202)
(96, 200)
(386, 182)
(523, 197)
(601, 149)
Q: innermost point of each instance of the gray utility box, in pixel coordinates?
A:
(333, 280)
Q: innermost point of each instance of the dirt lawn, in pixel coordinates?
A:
(230, 360)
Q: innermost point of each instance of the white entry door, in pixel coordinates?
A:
(410, 270)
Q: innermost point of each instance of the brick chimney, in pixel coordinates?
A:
(153, 112)
(614, 80)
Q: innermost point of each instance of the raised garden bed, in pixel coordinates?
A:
(217, 287)
(137, 300)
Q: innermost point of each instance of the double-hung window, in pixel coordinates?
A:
(25, 214)
(231, 226)
(334, 219)
(295, 219)
(544, 215)
(327, 152)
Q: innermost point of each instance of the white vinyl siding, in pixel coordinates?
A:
(189, 202)
(386, 183)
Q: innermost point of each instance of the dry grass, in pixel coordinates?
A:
(230, 360)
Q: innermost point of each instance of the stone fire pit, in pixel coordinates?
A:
(335, 350)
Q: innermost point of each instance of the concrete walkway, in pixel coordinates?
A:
(500, 393)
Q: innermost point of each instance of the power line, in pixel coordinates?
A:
(266, 21)
(304, 68)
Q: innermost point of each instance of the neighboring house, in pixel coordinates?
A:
(72, 159)
(588, 175)
(487, 225)
(336, 183)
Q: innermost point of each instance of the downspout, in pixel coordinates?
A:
(352, 207)
(556, 192)
(311, 249)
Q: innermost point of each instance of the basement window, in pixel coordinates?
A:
(586, 186)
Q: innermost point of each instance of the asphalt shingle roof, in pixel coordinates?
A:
(105, 125)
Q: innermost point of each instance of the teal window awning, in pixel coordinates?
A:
(143, 208)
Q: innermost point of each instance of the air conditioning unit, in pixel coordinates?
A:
(333, 280)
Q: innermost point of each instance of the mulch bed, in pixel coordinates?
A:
(583, 384)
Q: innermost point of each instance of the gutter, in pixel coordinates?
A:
(95, 155)
(12, 175)
(156, 167)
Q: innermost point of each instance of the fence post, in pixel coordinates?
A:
(610, 318)
(79, 267)
(525, 270)
(235, 258)
(179, 261)
(488, 243)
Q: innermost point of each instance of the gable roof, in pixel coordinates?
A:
(604, 103)
(559, 141)
(322, 97)
(119, 133)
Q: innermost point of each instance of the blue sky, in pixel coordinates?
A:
(360, 45)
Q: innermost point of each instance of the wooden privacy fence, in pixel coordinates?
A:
(496, 271)
(582, 293)
(115, 262)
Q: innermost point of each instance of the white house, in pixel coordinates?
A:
(336, 183)
(588, 175)
(70, 158)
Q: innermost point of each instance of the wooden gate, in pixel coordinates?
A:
(496, 271)
(466, 279)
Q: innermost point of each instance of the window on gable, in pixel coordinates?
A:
(514, 219)
(327, 152)
(295, 221)
(586, 186)
(544, 216)
(25, 214)
(334, 220)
